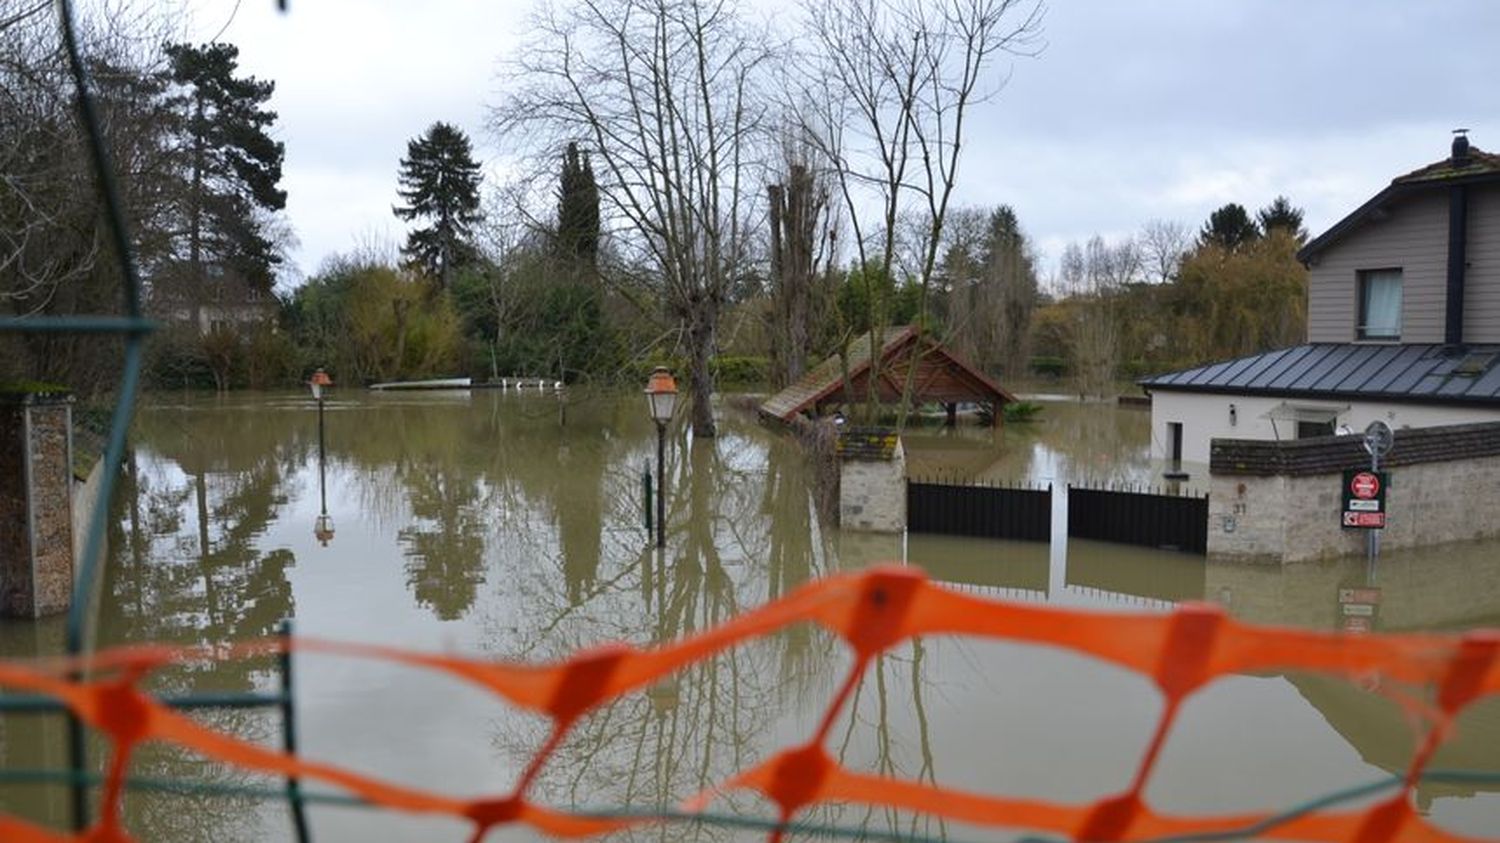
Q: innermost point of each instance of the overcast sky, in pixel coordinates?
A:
(1132, 111)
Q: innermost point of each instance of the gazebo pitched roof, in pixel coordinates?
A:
(959, 380)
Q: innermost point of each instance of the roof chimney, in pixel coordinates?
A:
(1458, 235)
(1460, 147)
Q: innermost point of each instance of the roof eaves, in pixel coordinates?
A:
(1308, 253)
(1466, 398)
(1399, 186)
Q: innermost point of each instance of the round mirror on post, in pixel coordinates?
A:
(1379, 438)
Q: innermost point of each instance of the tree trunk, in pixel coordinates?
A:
(195, 224)
(400, 306)
(780, 365)
(701, 320)
(795, 210)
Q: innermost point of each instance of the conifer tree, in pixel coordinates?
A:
(1283, 215)
(578, 211)
(1230, 227)
(439, 181)
(231, 169)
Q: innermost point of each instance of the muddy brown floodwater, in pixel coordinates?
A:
(484, 524)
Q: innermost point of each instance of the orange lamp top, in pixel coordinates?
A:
(661, 381)
(321, 378)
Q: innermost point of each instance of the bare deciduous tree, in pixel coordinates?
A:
(1163, 245)
(665, 95)
(988, 278)
(1093, 276)
(801, 238)
(54, 257)
(892, 85)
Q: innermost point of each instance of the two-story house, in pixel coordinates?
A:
(1403, 325)
(215, 300)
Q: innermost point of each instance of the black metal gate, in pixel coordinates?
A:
(1170, 522)
(985, 510)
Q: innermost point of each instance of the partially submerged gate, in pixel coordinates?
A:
(991, 511)
(1145, 518)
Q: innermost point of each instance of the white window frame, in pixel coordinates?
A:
(1364, 279)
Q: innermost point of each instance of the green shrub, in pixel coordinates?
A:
(726, 370)
(1020, 411)
(1049, 367)
(175, 359)
(740, 370)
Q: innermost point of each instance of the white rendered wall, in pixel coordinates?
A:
(1205, 417)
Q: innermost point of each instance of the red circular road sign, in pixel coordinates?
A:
(1365, 485)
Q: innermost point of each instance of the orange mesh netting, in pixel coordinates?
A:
(872, 612)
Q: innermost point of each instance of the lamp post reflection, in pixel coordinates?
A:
(323, 527)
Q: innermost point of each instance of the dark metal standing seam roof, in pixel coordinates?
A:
(1410, 372)
(1367, 367)
(1339, 373)
(1258, 363)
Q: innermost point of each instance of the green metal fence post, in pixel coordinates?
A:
(289, 730)
(646, 493)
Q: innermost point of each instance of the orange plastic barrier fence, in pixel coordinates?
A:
(871, 612)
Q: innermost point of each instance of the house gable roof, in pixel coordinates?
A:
(1480, 167)
(823, 381)
(1423, 373)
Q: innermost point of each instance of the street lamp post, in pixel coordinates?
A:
(323, 527)
(661, 399)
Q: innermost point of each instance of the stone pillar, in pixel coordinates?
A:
(36, 502)
(872, 481)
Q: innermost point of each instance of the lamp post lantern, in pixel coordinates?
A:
(661, 400)
(323, 527)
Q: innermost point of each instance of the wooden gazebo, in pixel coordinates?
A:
(942, 377)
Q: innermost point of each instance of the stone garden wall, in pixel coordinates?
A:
(1281, 501)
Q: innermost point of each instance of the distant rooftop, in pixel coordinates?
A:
(943, 376)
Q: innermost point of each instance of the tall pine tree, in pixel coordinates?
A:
(578, 211)
(1282, 214)
(1230, 227)
(439, 181)
(230, 173)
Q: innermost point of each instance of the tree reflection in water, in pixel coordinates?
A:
(187, 567)
(498, 529)
(445, 547)
(744, 530)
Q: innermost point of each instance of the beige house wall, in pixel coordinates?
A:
(1482, 280)
(1411, 234)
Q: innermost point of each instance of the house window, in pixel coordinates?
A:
(1379, 304)
(1309, 429)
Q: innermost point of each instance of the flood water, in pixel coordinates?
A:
(511, 527)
